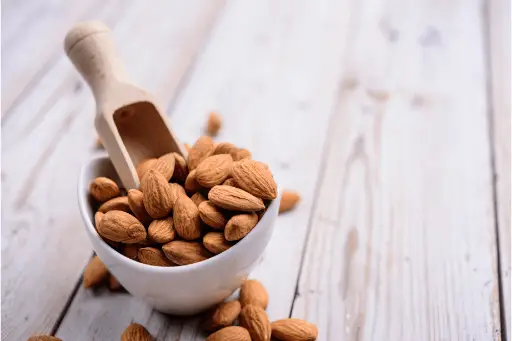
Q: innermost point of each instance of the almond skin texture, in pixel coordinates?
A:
(120, 226)
(213, 124)
(256, 321)
(252, 292)
(216, 243)
(103, 189)
(214, 170)
(240, 225)
(119, 204)
(203, 148)
(176, 191)
(182, 253)
(211, 215)
(157, 194)
(180, 169)
(113, 284)
(240, 154)
(233, 333)
(131, 251)
(197, 198)
(235, 199)
(162, 231)
(153, 256)
(136, 203)
(43, 338)
(294, 330)
(187, 222)
(288, 201)
(165, 165)
(222, 316)
(95, 273)
(253, 177)
(224, 148)
(144, 167)
(191, 184)
(136, 332)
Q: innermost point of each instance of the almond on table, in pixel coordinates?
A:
(95, 273)
(252, 292)
(256, 321)
(291, 329)
(136, 332)
(223, 315)
(289, 199)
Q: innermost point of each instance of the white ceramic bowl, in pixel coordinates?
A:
(180, 290)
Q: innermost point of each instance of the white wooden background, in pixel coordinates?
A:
(390, 117)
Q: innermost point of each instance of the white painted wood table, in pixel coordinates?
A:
(390, 117)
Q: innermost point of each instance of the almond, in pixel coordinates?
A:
(157, 194)
(230, 182)
(176, 191)
(233, 333)
(119, 204)
(97, 219)
(165, 165)
(255, 178)
(252, 292)
(240, 225)
(214, 124)
(214, 170)
(200, 150)
(136, 203)
(144, 166)
(236, 199)
(162, 230)
(256, 321)
(224, 148)
(211, 215)
(103, 189)
(113, 284)
(215, 242)
(288, 200)
(191, 184)
(136, 332)
(153, 256)
(182, 252)
(95, 273)
(222, 315)
(186, 218)
(291, 329)
(43, 338)
(131, 251)
(240, 154)
(198, 198)
(180, 168)
(120, 226)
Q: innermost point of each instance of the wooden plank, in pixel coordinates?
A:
(268, 73)
(51, 129)
(402, 243)
(499, 39)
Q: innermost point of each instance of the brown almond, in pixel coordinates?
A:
(157, 194)
(153, 256)
(97, 219)
(165, 165)
(113, 284)
(103, 189)
(43, 338)
(213, 124)
(118, 204)
(95, 273)
(292, 329)
(230, 182)
(120, 226)
(180, 169)
(162, 231)
(136, 203)
(216, 243)
(131, 251)
(222, 315)
(214, 170)
(211, 215)
(136, 332)
(240, 225)
(197, 198)
(256, 321)
(182, 252)
(224, 148)
(187, 222)
(235, 199)
(232, 333)
(144, 166)
(176, 191)
(288, 201)
(255, 178)
(203, 148)
(191, 184)
(240, 154)
(252, 292)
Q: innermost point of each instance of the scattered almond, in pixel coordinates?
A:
(214, 170)
(162, 231)
(214, 124)
(165, 165)
(113, 284)
(240, 154)
(136, 203)
(224, 148)
(211, 215)
(180, 169)
(43, 338)
(292, 329)
(153, 256)
(191, 184)
(222, 315)
(145, 166)
(256, 321)
(103, 189)
(186, 218)
(255, 178)
(236, 199)
(216, 243)
(197, 198)
(119, 204)
(240, 225)
(183, 252)
(157, 194)
(233, 333)
(136, 332)
(203, 148)
(252, 292)
(288, 200)
(95, 273)
(120, 226)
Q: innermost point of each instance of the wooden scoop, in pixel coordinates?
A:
(131, 126)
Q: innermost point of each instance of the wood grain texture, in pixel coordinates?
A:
(51, 138)
(499, 42)
(402, 243)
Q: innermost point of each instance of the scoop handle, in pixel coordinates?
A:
(89, 45)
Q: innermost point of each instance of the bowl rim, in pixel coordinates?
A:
(216, 259)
